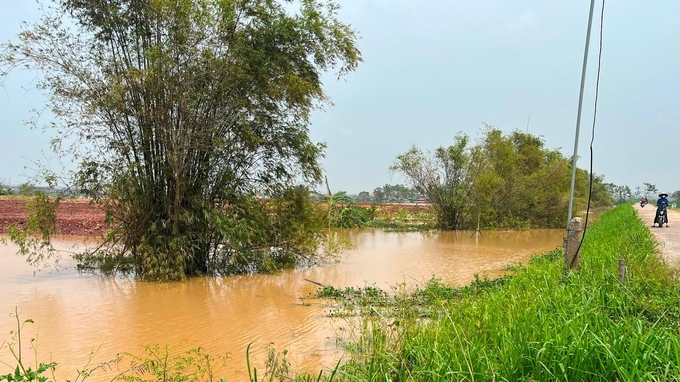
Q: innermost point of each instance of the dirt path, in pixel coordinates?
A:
(668, 238)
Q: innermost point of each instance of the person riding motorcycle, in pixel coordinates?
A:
(643, 202)
(663, 199)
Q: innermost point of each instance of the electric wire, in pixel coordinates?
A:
(592, 137)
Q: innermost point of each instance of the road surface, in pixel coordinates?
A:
(668, 238)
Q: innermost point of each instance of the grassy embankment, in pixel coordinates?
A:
(535, 325)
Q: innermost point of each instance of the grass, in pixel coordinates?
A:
(539, 325)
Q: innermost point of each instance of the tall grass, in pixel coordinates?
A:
(540, 325)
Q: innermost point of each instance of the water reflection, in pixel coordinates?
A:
(76, 313)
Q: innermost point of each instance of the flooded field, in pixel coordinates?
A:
(76, 314)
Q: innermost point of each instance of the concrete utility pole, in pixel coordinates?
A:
(571, 254)
(567, 262)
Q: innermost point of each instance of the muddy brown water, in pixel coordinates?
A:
(76, 314)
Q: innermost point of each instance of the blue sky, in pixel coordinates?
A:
(433, 68)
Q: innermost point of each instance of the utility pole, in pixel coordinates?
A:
(571, 260)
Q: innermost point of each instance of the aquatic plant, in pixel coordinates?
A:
(23, 372)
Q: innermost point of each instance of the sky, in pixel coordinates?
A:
(433, 68)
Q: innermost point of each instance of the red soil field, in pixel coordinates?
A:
(74, 216)
(82, 218)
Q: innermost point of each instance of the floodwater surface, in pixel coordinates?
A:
(77, 314)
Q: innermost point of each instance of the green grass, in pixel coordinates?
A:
(539, 325)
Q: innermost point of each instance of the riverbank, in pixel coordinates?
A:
(539, 324)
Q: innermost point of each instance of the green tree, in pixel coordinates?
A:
(364, 197)
(189, 110)
(650, 189)
(601, 195)
(379, 195)
(341, 211)
(675, 195)
(396, 193)
(446, 177)
(638, 192)
(505, 180)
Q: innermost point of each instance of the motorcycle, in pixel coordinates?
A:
(643, 203)
(661, 215)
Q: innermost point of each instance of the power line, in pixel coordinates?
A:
(528, 120)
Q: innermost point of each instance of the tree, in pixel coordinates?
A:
(605, 193)
(638, 192)
(364, 197)
(675, 195)
(182, 113)
(650, 189)
(446, 177)
(394, 193)
(379, 195)
(507, 180)
(26, 189)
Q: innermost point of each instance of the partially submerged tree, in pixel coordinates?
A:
(446, 177)
(505, 180)
(191, 121)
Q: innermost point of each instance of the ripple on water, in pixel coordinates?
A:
(75, 313)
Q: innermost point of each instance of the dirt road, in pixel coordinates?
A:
(668, 238)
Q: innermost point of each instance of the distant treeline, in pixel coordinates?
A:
(28, 189)
(389, 193)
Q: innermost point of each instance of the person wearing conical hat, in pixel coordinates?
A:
(662, 201)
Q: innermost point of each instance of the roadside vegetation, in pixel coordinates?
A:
(190, 121)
